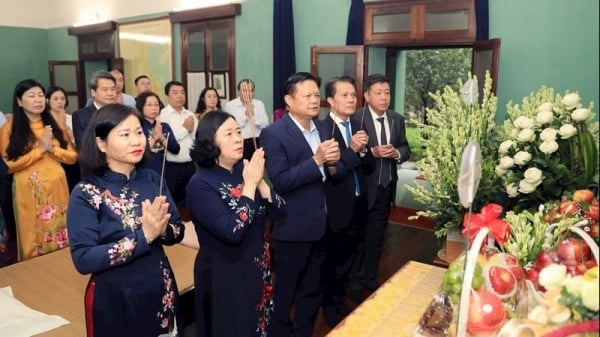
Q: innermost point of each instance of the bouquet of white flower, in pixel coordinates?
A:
(548, 148)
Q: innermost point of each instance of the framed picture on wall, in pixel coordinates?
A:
(220, 84)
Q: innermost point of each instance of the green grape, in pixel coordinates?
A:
(477, 282)
(456, 287)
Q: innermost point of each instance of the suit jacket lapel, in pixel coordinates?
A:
(295, 133)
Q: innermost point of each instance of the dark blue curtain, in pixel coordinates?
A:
(482, 16)
(354, 35)
(284, 51)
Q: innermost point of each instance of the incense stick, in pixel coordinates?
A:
(333, 127)
(391, 131)
(162, 170)
(362, 119)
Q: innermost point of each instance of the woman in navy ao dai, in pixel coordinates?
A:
(229, 203)
(118, 233)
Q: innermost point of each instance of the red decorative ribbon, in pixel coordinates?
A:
(488, 218)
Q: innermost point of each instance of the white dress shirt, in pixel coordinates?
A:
(186, 139)
(237, 109)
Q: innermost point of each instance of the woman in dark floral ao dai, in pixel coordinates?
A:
(118, 222)
(229, 202)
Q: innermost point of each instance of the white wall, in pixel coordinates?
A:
(64, 13)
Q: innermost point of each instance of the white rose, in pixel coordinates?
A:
(548, 134)
(514, 133)
(526, 188)
(523, 122)
(553, 276)
(589, 294)
(522, 157)
(500, 171)
(580, 115)
(571, 100)
(512, 190)
(546, 106)
(533, 175)
(526, 135)
(567, 131)
(573, 284)
(505, 146)
(506, 162)
(544, 117)
(548, 146)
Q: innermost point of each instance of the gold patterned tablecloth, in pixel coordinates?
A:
(396, 307)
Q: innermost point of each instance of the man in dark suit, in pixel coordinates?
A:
(103, 88)
(299, 157)
(388, 144)
(346, 196)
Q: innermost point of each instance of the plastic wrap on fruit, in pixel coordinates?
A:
(437, 318)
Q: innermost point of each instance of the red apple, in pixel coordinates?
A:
(533, 275)
(576, 269)
(591, 263)
(513, 265)
(500, 280)
(573, 251)
(568, 207)
(545, 258)
(486, 313)
(594, 211)
(583, 196)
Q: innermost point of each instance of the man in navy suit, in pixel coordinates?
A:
(346, 196)
(103, 88)
(300, 155)
(388, 144)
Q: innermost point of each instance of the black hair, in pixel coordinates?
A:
(205, 151)
(170, 84)
(54, 89)
(330, 88)
(140, 100)
(91, 160)
(22, 138)
(292, 81)
(375, 78)
(137, 79)
(202, 104)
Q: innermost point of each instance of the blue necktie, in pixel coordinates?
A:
(346, 125)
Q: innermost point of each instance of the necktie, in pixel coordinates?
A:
(346, 125)
(384, 172)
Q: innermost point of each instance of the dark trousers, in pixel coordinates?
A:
(249, 147)
(342, 246)
(298, 267)
(177, 176)
(366, 265)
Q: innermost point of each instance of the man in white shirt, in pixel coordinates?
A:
(179, 166)
(250, 114)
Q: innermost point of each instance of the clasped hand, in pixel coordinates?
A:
(384, 151)
(155, 217)
(359, 140)
(327, 152)
(46, 140)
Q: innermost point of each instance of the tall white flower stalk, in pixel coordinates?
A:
(451, 125)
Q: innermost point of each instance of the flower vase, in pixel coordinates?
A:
(452, 246)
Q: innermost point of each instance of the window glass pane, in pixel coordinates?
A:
(331, 65)
(104, 46)
(66, 76)
(388, 23)
(219, 49)
(449, 20)
(87, 48)
(196, 51)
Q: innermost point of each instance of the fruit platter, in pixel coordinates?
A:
(533, 274)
